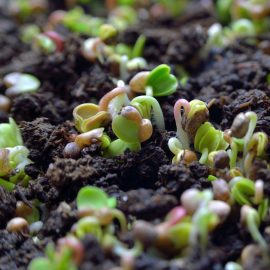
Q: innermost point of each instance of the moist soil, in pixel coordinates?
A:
(147, 186)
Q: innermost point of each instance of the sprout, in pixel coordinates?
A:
(144, 232)
(220, 208)
(243, 27)
(242, 130)
(145, 104)
(207, 140)
(12, 164)
(106, 32)
(10, 134)
(87, 116)
(180, 154)
(54, 260)
(137, 50)
(243, 191)
(135, 64)
(57, 39)
(31, 214)
(18, 225)
(88, 225)
(29, 32)
(73, 149)
(122, 16)
(221, 190)
(77, 21)
(219, 159)
(94, 202)
(223, 9)
(158, 82)
(44, 44)
(114, 100)
(192, 198)
(255, 147)
(93, 49)
(174, 230)
(250, 218)
(74, 245)
(179, 234)
(20, 83)
(195, 113)
(94, 198)
(203, 221)
(131, 129)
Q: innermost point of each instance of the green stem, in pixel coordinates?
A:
(118, 147)
(234, 153)
(149, 91)
(121, 218)
(204, 156)
(158, 114)
(254, 231)
(253, 120)
(248, 162)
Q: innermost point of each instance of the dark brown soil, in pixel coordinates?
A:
(145, 183)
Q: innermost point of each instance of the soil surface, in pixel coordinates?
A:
(147, 186)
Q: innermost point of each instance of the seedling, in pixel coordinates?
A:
(93, 201)
(241, 131)
(77, 21)
(88, 225)
(73, 149)
(246, 192)
(122, 17)
(173, 232)
(54, 260)
(107, 31)
(12, 164)
(94, 198)
(250, 218)
(158, 82)
(10, 134)
(255, 148)
(131, 129)
(207, 140)
(145, 105)
(114, 100)
(94, 49)
(195, 113)
(203, 221)
(20, 83)
(186, 156)
(87, 116)
(29, 32)
(221, 190)
(223, 9)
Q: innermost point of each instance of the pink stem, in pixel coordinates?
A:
(181, 134)
(105, 100)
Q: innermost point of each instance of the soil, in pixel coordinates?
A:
(147, 186)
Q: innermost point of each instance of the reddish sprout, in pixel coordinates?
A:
(106, 99)
(55, 18)
(181, 134)
(74, 245)
(57, 39)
